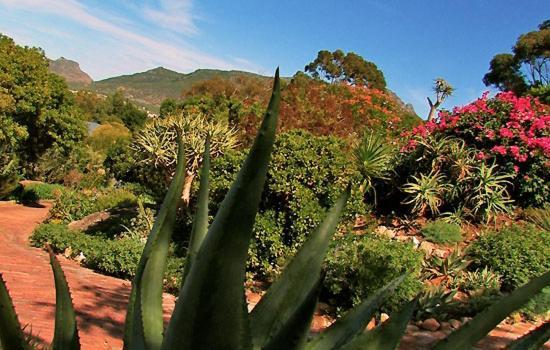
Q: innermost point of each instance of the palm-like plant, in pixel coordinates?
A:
(373, 156)
(489, 195)
(426, 191)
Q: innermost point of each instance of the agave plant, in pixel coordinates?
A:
(489, 195)
(425, 192)
(211, 312)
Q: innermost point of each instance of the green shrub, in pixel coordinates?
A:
(306, 175)
(357, 265)
(517, 254)
(115, 257)
(39, 191)
(73, 205)
(439, 231)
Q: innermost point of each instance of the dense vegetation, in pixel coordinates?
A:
(422, 194)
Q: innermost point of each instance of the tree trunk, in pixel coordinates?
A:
(188, 182)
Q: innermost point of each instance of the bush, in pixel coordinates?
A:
(306, 175)
(439, 231)
(518, 254)
(510, 130)
(539, 216)
(116, 257)
(39, 191)
(356, 266)
(73, 205)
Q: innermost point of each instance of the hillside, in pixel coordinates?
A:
(70, 70)
(151, 87)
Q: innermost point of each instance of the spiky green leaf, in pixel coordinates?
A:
(65, 335)
(209, 311)
(297, 280)
(387, 336)
(11, 335)
(200, 222)
(293, 334)
(354, 321)
(470, 333)
(144, 319)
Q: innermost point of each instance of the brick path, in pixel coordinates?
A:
(100, 301)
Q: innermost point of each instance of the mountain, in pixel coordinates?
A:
(70, 70)
(150, 88)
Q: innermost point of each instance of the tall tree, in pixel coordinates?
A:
(351, 68)
(35, 104)
(527, 67)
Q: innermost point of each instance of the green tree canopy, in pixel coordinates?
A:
(36, 108)
(348, 67)
(528, 65)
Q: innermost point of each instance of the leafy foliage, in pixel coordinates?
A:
(439, 231)
(350, 67)
(356, 266)
(37, 110)
(517, 254)
(303, 181)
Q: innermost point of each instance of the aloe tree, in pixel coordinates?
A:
(211, 311)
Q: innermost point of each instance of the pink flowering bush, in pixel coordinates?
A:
(512, 131)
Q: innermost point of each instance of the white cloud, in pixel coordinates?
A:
(175, 15)
(137, 51)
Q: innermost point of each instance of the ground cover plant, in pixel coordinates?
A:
(281, 319)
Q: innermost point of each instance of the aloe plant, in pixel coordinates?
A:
(211, 310)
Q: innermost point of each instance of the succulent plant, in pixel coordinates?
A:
(211, 312)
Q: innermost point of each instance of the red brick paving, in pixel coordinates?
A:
(100, 301)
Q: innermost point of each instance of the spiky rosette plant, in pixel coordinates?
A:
(211, 311)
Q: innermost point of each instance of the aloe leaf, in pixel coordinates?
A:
(354, 321)
(11, 334)
(297, 280)
(533, 340)
(209, 313)
(477, 328)
(200, 222)
(65, 335)
(295, 330)
(144, 319)
(387, 336)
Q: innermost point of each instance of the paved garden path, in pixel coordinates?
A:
(100, 301)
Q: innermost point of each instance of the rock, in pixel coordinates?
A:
(90, 220)
(415, 241)
(403, 238)
(455, 324)
(445, 327)
(319, 323)
(412, 328)
(385, 231)
(440, 253)
(430, 324)
(427, 247)
(384, 317)
(80, 258)
(465, 320)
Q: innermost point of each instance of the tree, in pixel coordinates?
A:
(351, 68)
(442, 90)
(36, 108)
(528, 66)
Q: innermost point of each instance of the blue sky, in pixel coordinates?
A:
(413, 42)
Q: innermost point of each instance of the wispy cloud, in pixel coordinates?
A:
(174, 15)
(137, 50)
